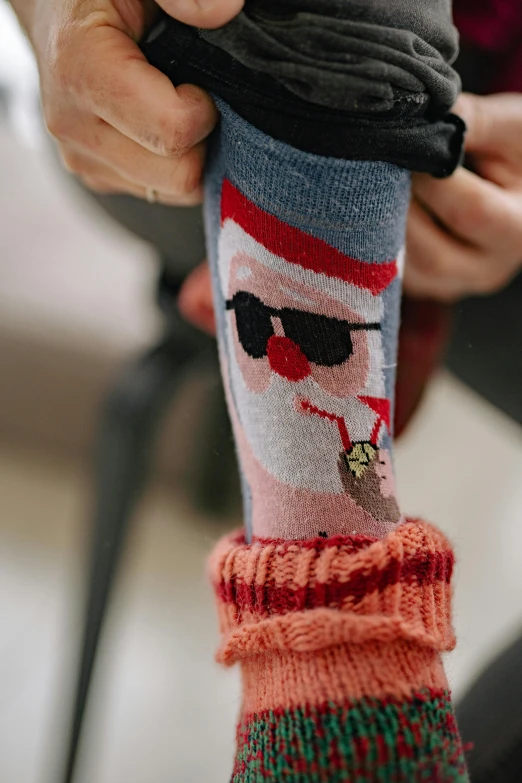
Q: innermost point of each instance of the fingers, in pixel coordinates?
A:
(108, 76)
(202, 13)
(465, 233)
(195, 299)
(104, 179)
(418, 286)
(442, 267)
(177, 176)
(474, 209)
(493, 121)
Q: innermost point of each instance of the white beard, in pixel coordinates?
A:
(298, 449)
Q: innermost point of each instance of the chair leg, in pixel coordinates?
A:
(128, 426)
(489, 717)
(214, 482)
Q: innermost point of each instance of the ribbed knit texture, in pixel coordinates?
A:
(339, 642)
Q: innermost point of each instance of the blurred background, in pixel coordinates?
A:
(78, 303)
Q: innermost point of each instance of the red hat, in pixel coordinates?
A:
(302, 249)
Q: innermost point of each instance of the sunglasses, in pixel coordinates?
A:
(323, 340)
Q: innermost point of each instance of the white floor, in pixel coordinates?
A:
(162, 711)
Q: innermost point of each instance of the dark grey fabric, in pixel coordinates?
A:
(408, 134)
(349, 54)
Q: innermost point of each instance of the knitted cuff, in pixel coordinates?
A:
(307, 595)
(339, 643)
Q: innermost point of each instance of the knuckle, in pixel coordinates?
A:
(492, 281)
(71, 162)
(77, 164)
(72, 64)
(190, 178)
(176, 139)
(97, 185)
(426, 263)
(61, 59)
(59, 124)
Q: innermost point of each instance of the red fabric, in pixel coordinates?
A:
(423, 335)
(418, 569)
(380, 406)
(287, 359)
(495, 26)
(302, 249)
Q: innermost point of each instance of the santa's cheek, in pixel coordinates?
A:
(350, 377)
(256, 372)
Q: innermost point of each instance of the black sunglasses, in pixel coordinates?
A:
(323, 340)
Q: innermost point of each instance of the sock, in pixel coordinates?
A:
(339, 644)
(306, 253)
(336, 613)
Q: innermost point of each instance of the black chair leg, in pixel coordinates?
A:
(125, 443)
(490, 718)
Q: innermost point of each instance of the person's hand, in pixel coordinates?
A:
(465, 233)
(195, 299)
(121, 125)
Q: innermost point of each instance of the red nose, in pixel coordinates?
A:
(287, 359)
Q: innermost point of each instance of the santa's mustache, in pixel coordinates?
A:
(281, 404)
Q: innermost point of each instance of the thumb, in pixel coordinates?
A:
(202, 13)
(493, 122)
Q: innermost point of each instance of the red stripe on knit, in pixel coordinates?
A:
(348, 544)
(302, 249)
(269, 598)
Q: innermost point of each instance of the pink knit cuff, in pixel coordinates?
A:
(308, 595)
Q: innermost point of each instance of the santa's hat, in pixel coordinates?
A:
(299, 255)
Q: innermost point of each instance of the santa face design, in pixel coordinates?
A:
(281, 328)
(304, 364)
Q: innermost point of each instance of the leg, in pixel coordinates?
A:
(331, 628)
(308, 287)
(339, 629)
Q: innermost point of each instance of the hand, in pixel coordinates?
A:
(121, 125)
(465, 233)
(195, 299)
